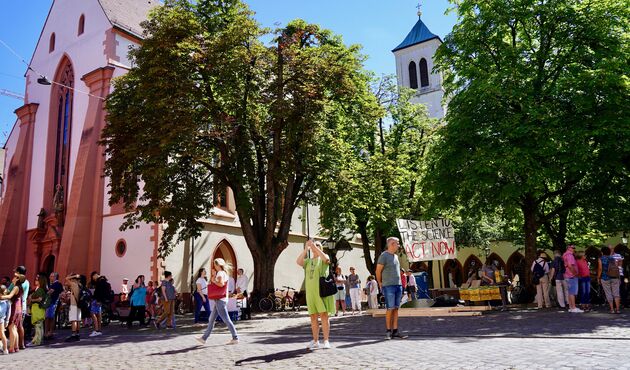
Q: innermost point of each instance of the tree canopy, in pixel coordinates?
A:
(537, 118)
(209, 106)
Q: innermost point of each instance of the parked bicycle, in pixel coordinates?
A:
(270, 302)
(290, 301)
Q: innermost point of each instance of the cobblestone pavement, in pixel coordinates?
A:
(518, 339)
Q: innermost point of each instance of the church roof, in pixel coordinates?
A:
(127, 15)
(418, 34)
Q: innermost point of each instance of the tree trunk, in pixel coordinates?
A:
(530, 227)
(558, 236)
(365, 241)
(264, 273)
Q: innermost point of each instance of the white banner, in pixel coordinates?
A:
(428, 240)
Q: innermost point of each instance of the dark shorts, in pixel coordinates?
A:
(95, 308)
(393, 295)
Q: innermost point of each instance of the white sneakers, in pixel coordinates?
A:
(575, 310)
(313, 345)
(95, 334)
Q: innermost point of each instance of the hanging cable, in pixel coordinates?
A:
(43, 80)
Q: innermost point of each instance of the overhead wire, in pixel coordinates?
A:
(44, 78)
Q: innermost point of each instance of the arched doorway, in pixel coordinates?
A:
(453, 273)
(472, 265)
(495, 257)
(224, 250)
(515, 265)
(48, 265)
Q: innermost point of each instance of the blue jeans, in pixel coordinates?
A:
(572, 284)
(585, 290)
(220, 309)
(200, 303)
(393, 295)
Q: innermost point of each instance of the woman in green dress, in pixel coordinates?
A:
(315, 264)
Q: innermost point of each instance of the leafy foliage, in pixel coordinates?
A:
(209, 106)
(538, 108)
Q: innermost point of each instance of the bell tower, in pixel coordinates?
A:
(414, 67)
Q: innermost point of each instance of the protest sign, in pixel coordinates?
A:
(428, 240)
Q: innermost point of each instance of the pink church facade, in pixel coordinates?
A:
(83, 45)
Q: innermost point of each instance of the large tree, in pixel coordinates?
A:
(375, 180)
(208, 105)
(538, 113)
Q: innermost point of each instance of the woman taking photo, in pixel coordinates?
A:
(217, 292)
(315, 264)
(201, 295)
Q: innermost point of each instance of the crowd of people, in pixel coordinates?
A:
(40, 306)
(85, 302)
(571, 274)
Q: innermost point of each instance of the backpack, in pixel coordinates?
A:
(612, 271)
(46, 302)
(85, 297)
(559, 267)
(539, 272)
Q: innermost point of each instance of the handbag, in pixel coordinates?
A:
(37, 313)
(217, 292)
(327, 286)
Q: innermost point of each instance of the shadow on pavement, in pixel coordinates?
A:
(178, 351)
(278, 356)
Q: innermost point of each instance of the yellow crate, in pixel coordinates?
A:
(495, 293)
(464, 294)
(474, 295)
(485, 294)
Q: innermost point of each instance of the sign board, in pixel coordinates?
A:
(428, 240)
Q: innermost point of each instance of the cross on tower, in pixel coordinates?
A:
(419, 9)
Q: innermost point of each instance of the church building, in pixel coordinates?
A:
(54, 212)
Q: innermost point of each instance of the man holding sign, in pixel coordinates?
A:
(388, 278)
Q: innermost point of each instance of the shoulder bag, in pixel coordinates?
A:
(217, 292)
(327, 286)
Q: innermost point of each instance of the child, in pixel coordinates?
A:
(5, 306)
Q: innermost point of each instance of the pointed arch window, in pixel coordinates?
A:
(51, 44)
(64, 100)
(424, 73)
(81, 25)
(413, 75)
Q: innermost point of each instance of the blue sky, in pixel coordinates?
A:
(378, 25)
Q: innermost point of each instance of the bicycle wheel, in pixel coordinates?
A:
(288, 304)
(265, 304)
(517, 294)
(278, 304)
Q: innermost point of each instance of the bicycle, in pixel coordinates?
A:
(270, 302)
(289, 302)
